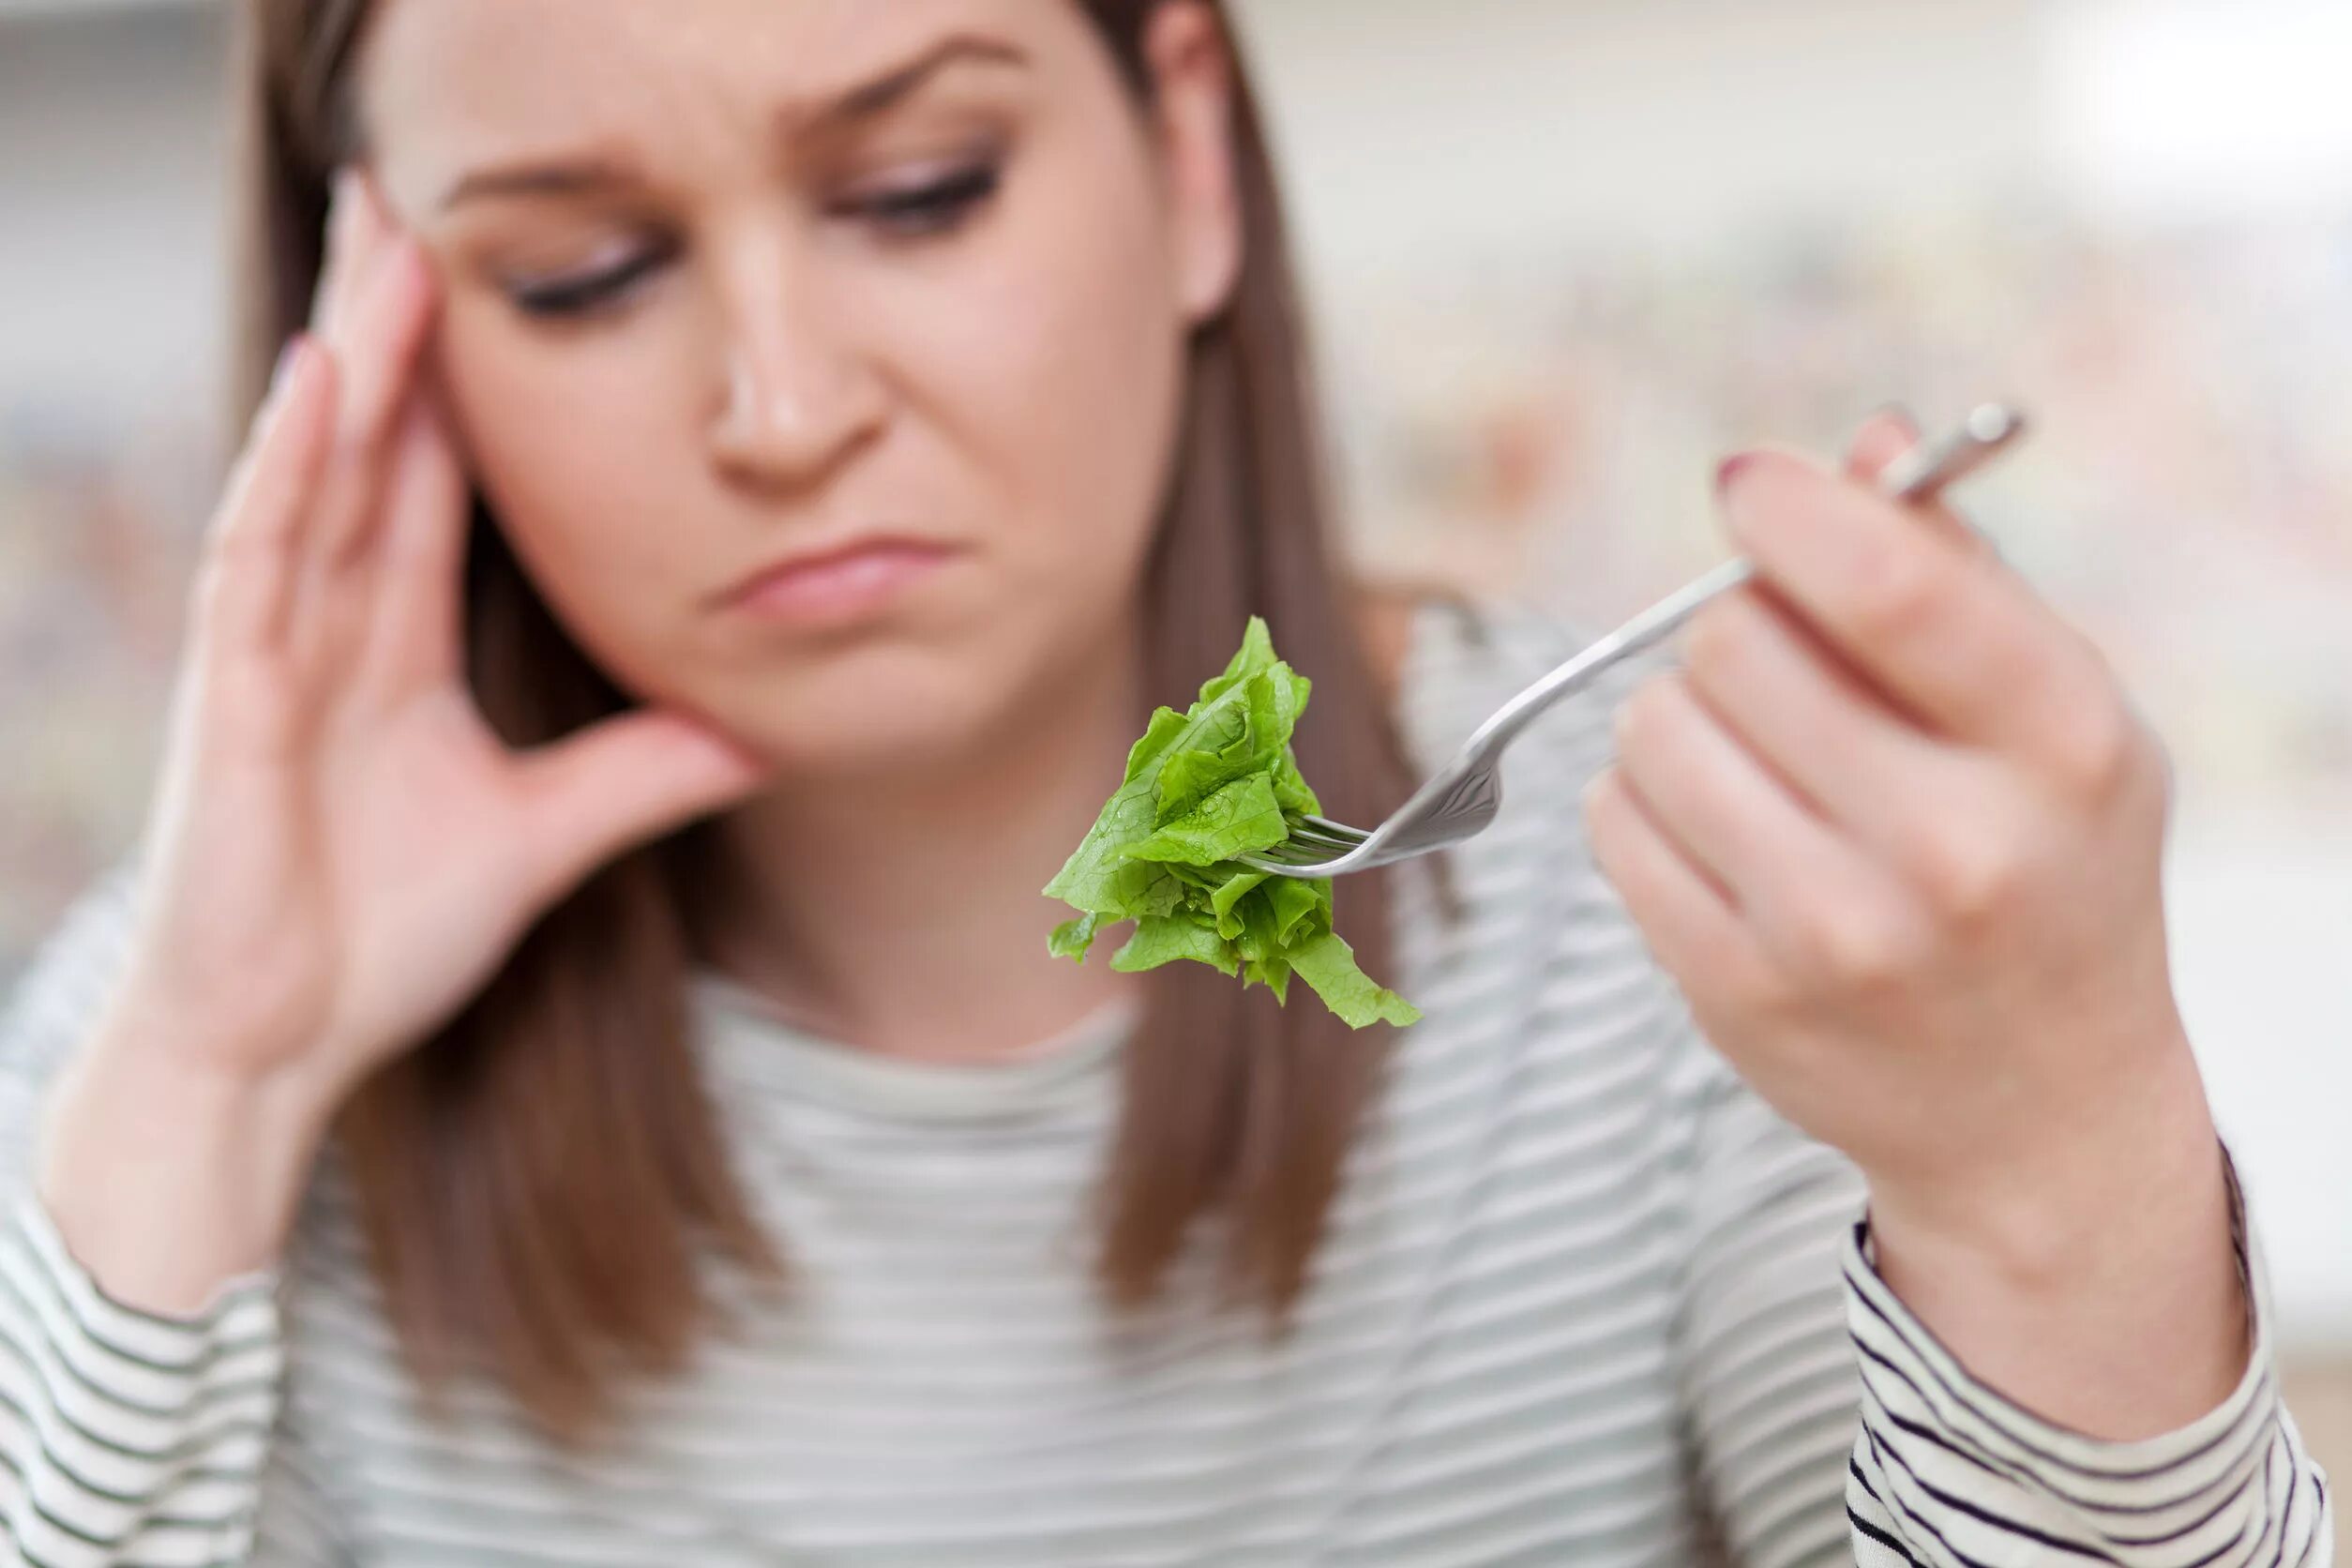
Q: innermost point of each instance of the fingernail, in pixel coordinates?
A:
(370, 196)
(1896, 411)
(287, 357)
(1731, 469)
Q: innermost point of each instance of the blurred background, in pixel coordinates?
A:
(1565, 254)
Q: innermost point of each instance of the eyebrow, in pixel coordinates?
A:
(859, 103)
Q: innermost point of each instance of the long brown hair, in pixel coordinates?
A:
(542, 1183)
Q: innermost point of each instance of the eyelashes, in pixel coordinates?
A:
(929, 209)
(580, 294)
(935, 207)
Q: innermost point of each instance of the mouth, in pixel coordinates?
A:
(835, 587)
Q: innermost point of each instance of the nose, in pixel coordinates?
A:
(798, 398)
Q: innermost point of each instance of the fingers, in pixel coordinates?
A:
(1943, 628)
(353, 221)
(381, 349)
(258, 562)
(1804, 712)
(416, 640)
(1812, 905)
(626, 782)
(246, 586)
(375, 306)
(1694, 932)
(1890, 434)
(1736, 823)
(1885, 436)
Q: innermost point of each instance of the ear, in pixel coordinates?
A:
(1191, 64)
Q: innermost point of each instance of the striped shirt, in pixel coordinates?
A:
(1586, 1300)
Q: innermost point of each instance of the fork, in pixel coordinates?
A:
(1462, 799)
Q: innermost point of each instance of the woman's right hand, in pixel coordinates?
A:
(341, 851)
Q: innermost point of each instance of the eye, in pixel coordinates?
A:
(932, 207)
(569, 295)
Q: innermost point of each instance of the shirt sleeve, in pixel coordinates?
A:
(127, 1437)
(1946, 1471)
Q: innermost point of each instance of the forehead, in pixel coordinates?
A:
(440, 78)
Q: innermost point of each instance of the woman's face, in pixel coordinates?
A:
(891, 294)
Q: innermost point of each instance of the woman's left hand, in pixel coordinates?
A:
(1898, 833)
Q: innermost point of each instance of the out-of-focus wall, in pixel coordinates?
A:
(112, 160)
(112, 168)
(1525, 135)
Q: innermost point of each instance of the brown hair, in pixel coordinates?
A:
(542, 1183)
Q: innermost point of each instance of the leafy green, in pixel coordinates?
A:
(1204, 788)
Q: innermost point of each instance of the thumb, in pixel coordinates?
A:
(627, 781)
(1886, 436)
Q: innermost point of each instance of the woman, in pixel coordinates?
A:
(576, 1075)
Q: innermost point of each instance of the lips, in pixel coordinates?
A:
(839, 583)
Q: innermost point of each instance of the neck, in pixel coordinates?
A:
(903, 915)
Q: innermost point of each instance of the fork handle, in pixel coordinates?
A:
(1919, 475)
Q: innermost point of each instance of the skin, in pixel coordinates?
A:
(1898, 832)
(343, 852)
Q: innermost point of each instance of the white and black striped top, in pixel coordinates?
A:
(1587, 1301)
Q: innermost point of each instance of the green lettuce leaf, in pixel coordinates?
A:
(1202, 788)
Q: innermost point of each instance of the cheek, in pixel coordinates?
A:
(1057, 369)
(559, 446)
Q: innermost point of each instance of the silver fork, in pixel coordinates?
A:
(1463, 798)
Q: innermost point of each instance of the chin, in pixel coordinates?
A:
(886, 713)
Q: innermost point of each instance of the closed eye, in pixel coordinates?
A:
(581, 293)
(935, 207)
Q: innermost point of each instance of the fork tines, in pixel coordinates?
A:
(1324, 832)
(1313, 839)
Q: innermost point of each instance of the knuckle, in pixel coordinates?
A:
(1644, 716)
(1854, 950)
(1759, 990)
(1894, 596)
(1604, 813)
(1970, 875)
(1668, 700)
(1715, 643)
(2103, 752)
